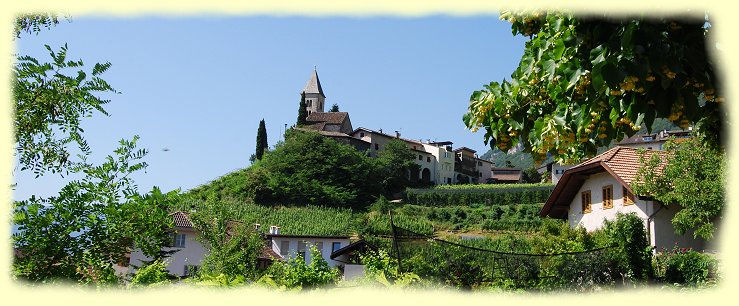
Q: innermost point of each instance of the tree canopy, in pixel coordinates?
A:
(85, 229)
(310, 169)
(91, 224)
(583, 82)
(50, 102)
(693, 179)
(395, 162)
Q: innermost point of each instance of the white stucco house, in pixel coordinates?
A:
(187, 251)
(289, 246)
(599, 188)
(435, 159)
(655, 141)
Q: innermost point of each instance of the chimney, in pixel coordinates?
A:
(397, 134)
(277, 230)
(272, 229)
(257, 226)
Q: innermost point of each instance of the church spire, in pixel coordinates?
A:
(314, 84)
(314, 97)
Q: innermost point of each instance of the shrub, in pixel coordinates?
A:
(684, 266)
(633, 252)
(296, 273)
(153, 273)
(380, 263)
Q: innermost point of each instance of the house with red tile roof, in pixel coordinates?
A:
(599, 188)
(185, 250)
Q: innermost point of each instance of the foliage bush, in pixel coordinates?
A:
(150, 274)
(233, 247)
(296, 273)
(684, 266)
(633, 252)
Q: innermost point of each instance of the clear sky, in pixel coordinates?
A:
(198, 86)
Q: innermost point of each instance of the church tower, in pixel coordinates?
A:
(314, 97)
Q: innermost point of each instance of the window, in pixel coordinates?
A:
(319, 246)
(420, 157)
(608, 197)
(301, 249)
(428, 159)
(586, 203)
(479, 163)
(377, 146)
(284, 248)
(125, 261)
(335, 246)
(628, 197)
(190, 270)
(178, 240)
(309, 102)
(361, 135)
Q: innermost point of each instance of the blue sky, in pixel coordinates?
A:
(199, 85)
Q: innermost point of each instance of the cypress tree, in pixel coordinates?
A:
(261, 140)
(334, 108)
(302, 112)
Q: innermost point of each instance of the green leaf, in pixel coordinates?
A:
(597, 78)
(598, 54)
(574, 77)
(612, 75)
(559, 49)
(549, 67)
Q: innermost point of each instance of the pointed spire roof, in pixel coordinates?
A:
(314, 85)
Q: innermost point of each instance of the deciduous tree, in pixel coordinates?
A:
(310, 169)
(693, 179)
(96, 219)
(395, 162)
(83, 231)
(50, 101)
(586, 81)
(233, 247)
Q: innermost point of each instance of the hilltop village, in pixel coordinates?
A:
(439, 163)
